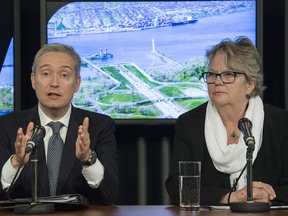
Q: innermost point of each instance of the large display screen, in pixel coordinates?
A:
(7, 82)
(144, 59)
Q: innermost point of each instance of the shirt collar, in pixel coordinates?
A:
(44, 119)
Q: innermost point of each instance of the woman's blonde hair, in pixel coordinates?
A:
(242, 56)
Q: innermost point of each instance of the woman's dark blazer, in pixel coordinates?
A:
(270, 166)
(71, 180)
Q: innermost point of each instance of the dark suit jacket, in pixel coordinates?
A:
(270, 166)
(101, 130)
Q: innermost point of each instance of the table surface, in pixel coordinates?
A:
(148, 210)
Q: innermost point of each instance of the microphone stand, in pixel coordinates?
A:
(250, 205)
(35, 206)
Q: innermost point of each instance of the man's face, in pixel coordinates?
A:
(55, 82)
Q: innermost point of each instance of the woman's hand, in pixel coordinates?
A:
(262, 192)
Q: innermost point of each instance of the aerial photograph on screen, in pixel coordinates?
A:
(143, 60)
(7, 82)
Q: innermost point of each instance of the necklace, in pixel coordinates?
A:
(234, 135)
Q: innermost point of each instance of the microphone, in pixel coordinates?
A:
(38, 133)
(245, 126)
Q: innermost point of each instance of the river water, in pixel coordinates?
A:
(179, 43)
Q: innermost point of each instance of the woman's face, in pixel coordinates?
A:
(232, 94)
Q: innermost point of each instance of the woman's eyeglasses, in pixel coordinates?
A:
(226, 77)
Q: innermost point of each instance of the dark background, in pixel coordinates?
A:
(143, 148)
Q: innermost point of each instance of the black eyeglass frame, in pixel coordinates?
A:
(204, 76)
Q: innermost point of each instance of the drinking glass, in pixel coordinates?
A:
(189, 185)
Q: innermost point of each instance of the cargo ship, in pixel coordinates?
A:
(176, 23)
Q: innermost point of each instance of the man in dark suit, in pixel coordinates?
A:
(89, 159)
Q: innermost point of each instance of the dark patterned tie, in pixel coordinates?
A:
(55, 148)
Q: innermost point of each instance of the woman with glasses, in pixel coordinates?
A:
(210, 132)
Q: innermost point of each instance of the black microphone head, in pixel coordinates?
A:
(38, 133)
(245, 126)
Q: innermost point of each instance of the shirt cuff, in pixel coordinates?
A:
(94, 174)
(8, 173)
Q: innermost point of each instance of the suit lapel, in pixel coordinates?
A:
(43, 182)
(68, 155)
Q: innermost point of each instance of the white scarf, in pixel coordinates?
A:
(231, 159)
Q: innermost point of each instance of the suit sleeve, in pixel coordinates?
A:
(106, 150)
(189, 144)
(276, 140)
(181, 150)
(6, 147)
